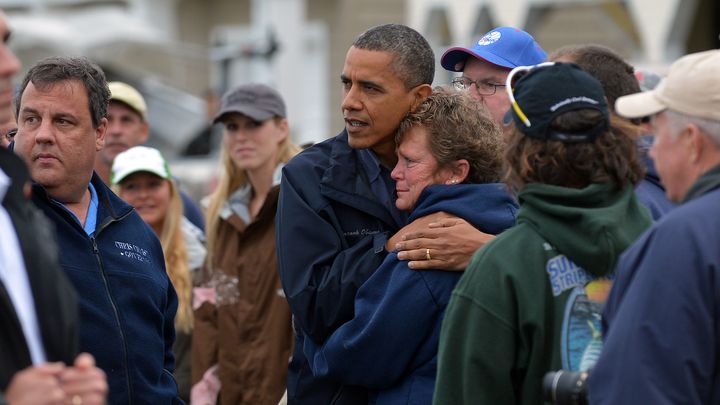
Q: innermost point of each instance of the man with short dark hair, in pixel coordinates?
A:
(662, 318)
(114, 260)
(336, 216)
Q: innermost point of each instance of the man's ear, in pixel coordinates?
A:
(100, 132)
(146, 133)
(698, 144)
(420, 93)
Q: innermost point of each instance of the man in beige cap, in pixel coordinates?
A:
(128, 127)
(662, 319)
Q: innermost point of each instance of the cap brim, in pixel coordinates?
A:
(250, 112)
(124, 175)
(453, 59)
(639, 105)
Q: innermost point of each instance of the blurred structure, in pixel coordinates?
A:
(173, 51)
(649, 33)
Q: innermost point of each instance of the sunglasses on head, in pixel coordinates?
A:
(510, 82)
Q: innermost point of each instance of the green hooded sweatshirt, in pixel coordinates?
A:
(529, 302)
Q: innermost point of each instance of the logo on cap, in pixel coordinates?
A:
(489, 38)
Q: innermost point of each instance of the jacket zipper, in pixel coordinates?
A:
(117, 317)
(96, 252)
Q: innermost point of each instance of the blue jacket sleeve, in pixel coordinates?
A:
(661, 337)
(320, 273)
(394, 314)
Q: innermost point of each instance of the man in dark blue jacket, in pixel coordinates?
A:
(114, 260)
(662, 318)
(336, 215)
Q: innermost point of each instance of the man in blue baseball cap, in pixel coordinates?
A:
(486, 64)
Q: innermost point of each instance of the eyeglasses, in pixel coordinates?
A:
(513, 78)
(11, 134)
(483, 88)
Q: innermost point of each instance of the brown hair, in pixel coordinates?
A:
(616, 76)
(459, 128)
(612, 157)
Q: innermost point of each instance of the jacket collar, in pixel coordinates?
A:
(110, 207)
(346, 182)
(709, 181)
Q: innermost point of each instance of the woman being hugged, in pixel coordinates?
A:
(449, 160)
(141, 176)
(243, 333)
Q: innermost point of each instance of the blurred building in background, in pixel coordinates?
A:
(179, 53)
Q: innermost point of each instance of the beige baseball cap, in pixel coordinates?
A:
(691, 87)
(127, 94)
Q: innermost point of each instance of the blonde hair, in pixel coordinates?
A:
(232, 178)
(176, 258)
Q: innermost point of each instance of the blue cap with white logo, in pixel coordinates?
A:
(507, 47)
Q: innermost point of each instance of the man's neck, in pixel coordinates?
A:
(103, 169)
(79, 206)
(385, 152)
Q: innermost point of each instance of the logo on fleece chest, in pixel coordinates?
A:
(132, 251)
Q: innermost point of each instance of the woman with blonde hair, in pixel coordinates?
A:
(141, 177)
(243, 333)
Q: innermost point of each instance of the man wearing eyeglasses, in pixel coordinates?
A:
(486, 64)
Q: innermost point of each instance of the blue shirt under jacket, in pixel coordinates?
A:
(127, 303)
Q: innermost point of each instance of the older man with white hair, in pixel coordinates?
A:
(662, 319)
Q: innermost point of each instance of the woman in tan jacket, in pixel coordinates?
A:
(243, 334)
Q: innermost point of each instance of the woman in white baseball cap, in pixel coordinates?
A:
(142, 178)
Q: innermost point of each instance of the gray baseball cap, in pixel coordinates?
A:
(256, 101)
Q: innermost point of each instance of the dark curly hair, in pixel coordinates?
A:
(612, 157)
